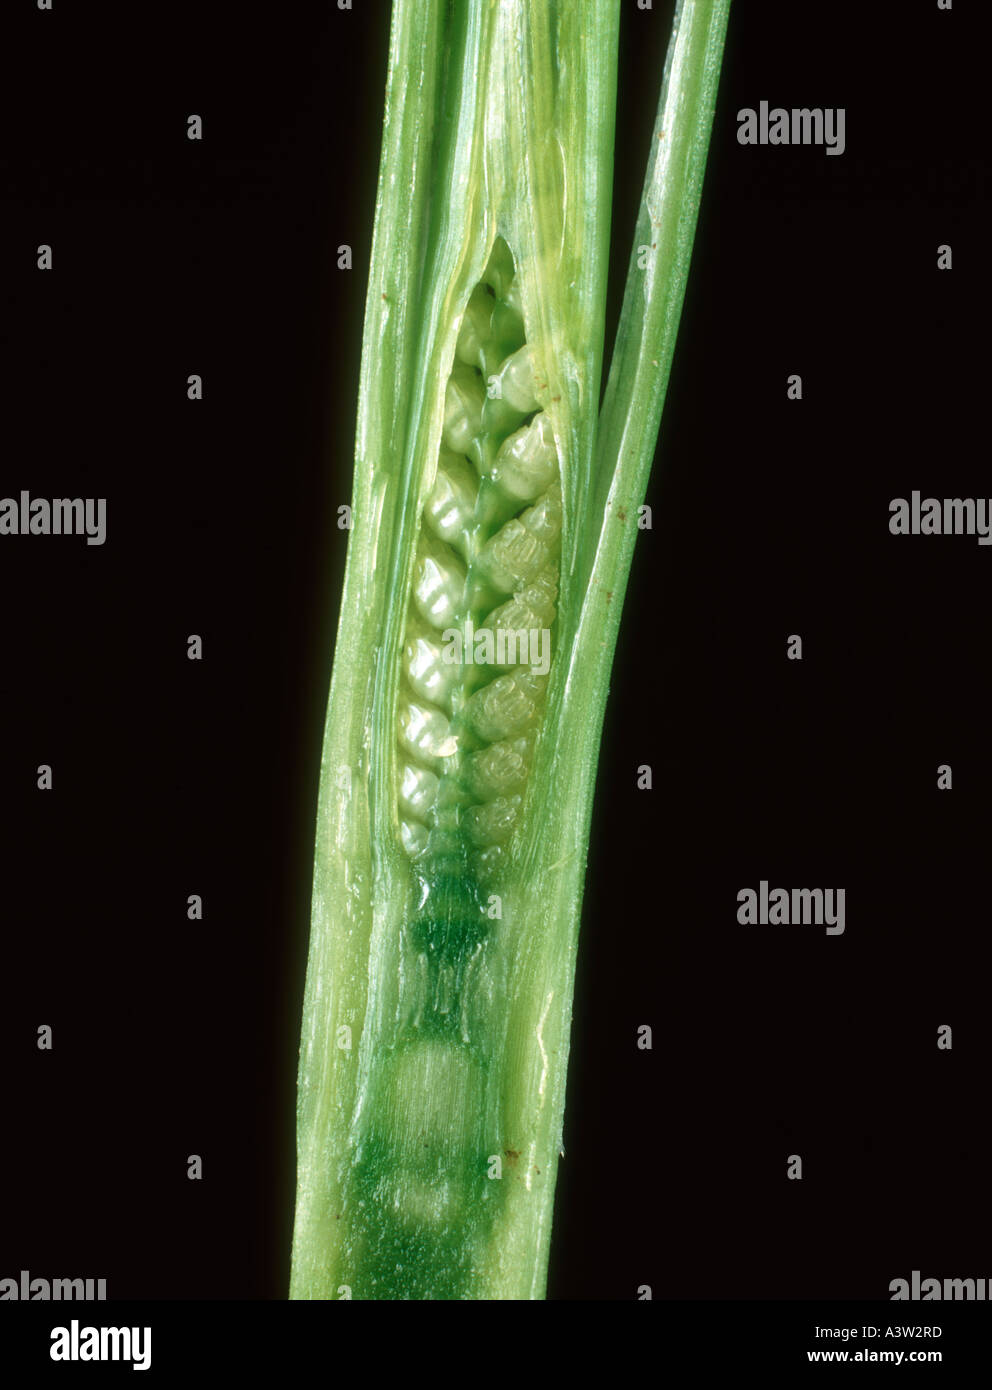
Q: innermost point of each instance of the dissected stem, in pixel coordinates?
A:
(455, 799)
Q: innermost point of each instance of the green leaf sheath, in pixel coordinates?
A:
(652, 303)
(456, 790)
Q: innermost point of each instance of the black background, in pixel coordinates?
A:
(174, 777)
